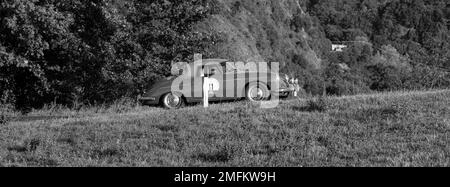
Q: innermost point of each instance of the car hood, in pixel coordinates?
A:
(166, 82)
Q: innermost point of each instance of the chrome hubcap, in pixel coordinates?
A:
(172, 100)
(257, 94)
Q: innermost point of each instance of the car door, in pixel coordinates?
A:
(214, 80)
(230, 81)
(214, 74)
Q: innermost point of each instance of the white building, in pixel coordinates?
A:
(338, 47)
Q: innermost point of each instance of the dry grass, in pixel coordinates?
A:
(395, 129)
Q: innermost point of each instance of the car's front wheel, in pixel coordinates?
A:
(257, 92)
(172, 101)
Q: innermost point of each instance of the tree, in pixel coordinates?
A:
(92, 51)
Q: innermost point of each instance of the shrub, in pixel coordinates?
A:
(5, 109)
(52, 51)
(339, 88)
(385, 77)
(424, 77)
(317, 105)
(3, 119)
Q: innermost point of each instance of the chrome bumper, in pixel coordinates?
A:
(147, 100)
(284, 92)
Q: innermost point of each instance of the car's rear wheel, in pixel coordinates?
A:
(257, 92)
(172, 101)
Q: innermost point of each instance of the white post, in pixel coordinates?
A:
(297, 88)
(205, 92)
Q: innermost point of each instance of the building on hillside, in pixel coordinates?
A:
(338, 47)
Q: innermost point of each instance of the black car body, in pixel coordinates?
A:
(265, 84)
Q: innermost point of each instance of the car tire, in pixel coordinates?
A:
(172, 101)
(257, 92)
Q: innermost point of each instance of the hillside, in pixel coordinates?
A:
(389, 129)
(261, 30)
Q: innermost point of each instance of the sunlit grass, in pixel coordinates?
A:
(395, 129)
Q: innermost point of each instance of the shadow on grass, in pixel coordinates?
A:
(35, 118)
(372, 114)
(106, 153)
(266, 150)
(132, 135)
(42, 162)
(77, 123)
(70, 140)
(28, 146)
(222, 156)
(308, 109)
(167, 128)
(313, 105)
(18, 148)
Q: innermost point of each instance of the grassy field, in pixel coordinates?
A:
(392, 129)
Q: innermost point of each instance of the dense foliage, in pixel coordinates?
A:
(68, 51)
(393, 44)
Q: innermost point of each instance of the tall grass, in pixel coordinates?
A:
(119, 106)
(396, 129)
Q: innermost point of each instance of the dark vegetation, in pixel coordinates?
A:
(78, 52)
(3, 118)
(393, 44)
(75, 52)
(319, 104)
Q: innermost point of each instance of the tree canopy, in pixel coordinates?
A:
(92, 51)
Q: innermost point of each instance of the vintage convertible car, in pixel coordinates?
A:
(253, 85)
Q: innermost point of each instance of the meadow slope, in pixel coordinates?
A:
(391, 129)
